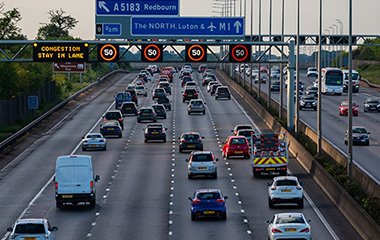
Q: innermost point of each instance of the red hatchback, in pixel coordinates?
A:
(236, 146)
(343, 108)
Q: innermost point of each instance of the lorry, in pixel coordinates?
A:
(269, 153)
(355, 81)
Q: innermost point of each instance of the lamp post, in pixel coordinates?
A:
(349, 142)
(259, 74)
(331, 53)
(269, 58)
(336, 55)
(341, 33)
(297, 70)
(327, 58)
(282, 65)
(319, 109)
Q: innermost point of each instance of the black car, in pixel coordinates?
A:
(155, 131)
(214, 87)
(189, 93)
(275, 86)
(222, 92)
(133, 95)
(114, 115)
(166, 102)
(190, 141)
(186, 79)
(111, 128)
(158, 93)
(165, 85)
(146, 113)
(371, 104)
(308, 101)
(311, 90)
(160, 110)
(128, 108)
(360, 135)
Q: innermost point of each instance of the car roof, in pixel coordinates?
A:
(93, 134)
(207, 190)
(292, 214)
(31, 220)
(113, 111)
(201, 152)
(185, 133)
(158, 105)
(237, 137)
(245, 125)
(285, 178)
(155, 125)
(112, 123)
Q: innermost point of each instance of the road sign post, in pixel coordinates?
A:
(33, 102)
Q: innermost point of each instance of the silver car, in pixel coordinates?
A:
(32, 228)
(94, 141)
(285, 189)
(196, 106)
(202, 163)
(289, 226)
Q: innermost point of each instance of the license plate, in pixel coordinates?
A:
(93, 145)
(202, 168)
(190, 95)
(154, 132)
(29, 238)
(158, 111)
(270, 169)
(113, 120)
(191, 146)
(209, 212)
(291, 230)
(145, 113)
(128, 108)
(67, 196)
(286, 190)
(238, 151)
(111, 129)
(222, 93)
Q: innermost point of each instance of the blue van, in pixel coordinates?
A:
(122, 97)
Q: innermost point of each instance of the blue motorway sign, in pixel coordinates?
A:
(111, 29)
(33, 102)
(137, 7)
(202, 27)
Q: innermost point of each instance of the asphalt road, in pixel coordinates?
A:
(334, 125)
(144, 187)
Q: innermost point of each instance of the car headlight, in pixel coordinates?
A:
(378, 106)
(302, 103)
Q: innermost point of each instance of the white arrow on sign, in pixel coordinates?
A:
(102, 4)
(237, 24)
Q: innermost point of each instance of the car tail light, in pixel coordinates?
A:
(199, 140)
(120, 120)
(183, 140)
(138, 113)
(184, 94)
(104, 119)
(298, 188)
(163, 130)
(220, 200)
(273, 188)
(56, 187)
(101, 127)
(305, 230)
(92, 186)
(203, 106)
(85, 140)
(274, 230)
(195, 200)
(195, 93)
(101, 141)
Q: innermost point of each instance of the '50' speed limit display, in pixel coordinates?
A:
(240, 53)
(151, 53)
(108, 53)
(196, 53)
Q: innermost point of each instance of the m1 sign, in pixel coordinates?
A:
(69, 67)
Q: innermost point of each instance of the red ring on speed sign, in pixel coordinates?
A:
(112, 57)
(158, 52)
(244, 56)
(196, 59)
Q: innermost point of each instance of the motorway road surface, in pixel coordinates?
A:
(144, 187)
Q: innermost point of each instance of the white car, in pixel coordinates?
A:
(209, 85)
(285, 189)
(32, 228)
(141, 90)
(312, 72)
(202, 163)
(94, 141)
(315, 83)
(289, 226)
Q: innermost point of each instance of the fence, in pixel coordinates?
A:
(17, 107)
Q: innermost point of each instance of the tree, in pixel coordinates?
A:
(8, 28)
(58, 27)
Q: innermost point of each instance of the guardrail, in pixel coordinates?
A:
(362, 222)
(55, 108)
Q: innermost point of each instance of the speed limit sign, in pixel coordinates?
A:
(151, 53)
(196, 53)
(240, 53)
(108, 52)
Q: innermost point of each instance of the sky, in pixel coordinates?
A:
(365, 15)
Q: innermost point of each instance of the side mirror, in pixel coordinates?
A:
(217, 159)
(302, 183)
(9, 229)
(225, 197)
(166, 128)
(82, 137)
(369, 132)
(232, 130)
(267, 221)
(143, 129)
(203, 137)
(309, 220)
(97, 178)
(268, 184)
(190, 198)
(53, 229)
(179, 138)
(187, 160)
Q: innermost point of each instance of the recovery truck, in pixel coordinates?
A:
(269, 154)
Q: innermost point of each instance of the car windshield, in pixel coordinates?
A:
(202, 158)
(223, 89)
(94, 136)
(158, 107)
(373, 101)
(345, 104)
(111, 123)
(31, 228)
(289, 219)
(245, 133)
(212, 195)
(191, 136)
(286, 183)
(238, 141)
(190, 91)
(196, 103)
(159, 90)
(359, 130)
(163, 100)
(145, 110)
(122, 96)
(313, 69)
(308, 98)
(112, 115)
(140, 87)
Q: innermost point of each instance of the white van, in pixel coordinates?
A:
(74, 180)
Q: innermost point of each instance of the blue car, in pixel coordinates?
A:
(122, 97)
(208, 203)
(111, 128)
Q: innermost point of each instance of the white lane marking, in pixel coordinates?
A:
(52, 177)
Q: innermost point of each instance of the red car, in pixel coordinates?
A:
(343, 108)
(236, 146)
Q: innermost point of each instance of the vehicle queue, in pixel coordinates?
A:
(201, 162)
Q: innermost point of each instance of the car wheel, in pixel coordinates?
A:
(300, 203)
(58, 204)
(145, 140)
(154, 120)
(93, 203)
(246, 156)
(255, 174)
(165, 117)
(164, 140)
(227, 156)
(193, 217)
(189, 176)
(204, 112)
(188, 112)
(345, 142)
(138, 120)
(105, 148)
(224, 216)
(215, 176)
(270, 203)
(315, 109)
(367, 143)
(229, 98)
(216, 98)
(120, 135)
(83, 149)
(180, 150)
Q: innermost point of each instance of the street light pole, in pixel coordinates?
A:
(259, 73)
(327, 63)
(282, 65)
(349, 142)
(269, 58)
(297, 71)
(341, 48)
(319, 109)
(336, 55)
